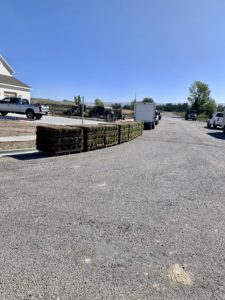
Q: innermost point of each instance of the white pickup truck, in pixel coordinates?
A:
(22, 106)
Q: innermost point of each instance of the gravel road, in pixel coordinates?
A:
(53, 120)
(142, 220)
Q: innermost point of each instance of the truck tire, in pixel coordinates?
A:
(147, 126)
(4, 113)
(38, 116)
(153, 125)
(30, 114)
(214, 125)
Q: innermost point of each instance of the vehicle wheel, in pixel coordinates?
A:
(30, 114)
(147, 126)
(223, 130)
(4, 113)
(38, 117)
(186, 119)
(208, 125)
(153, 125)
(214, 125)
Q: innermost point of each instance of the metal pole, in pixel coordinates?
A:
(82, 110)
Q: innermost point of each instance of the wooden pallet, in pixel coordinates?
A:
(95, 148)
(62, 152)
(110, 145)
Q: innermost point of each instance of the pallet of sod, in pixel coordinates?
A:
(135, 129)
(59, 139)
(111, 135)
(123, 131)
(94, 136)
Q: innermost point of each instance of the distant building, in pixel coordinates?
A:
(9, 85)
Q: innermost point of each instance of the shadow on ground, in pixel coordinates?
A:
(30, 156)
(36, 155)
(217, 135)
(12, 118)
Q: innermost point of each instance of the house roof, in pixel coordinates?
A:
(9, 80)
(6, 65)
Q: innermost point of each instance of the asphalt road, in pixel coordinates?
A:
(142, 220)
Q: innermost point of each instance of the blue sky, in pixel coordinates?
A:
(112, 49)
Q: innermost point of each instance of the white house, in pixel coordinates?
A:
(9, 85)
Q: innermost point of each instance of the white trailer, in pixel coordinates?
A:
(145, 112)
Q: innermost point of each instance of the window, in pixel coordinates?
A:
(5, 100)
(14, 100)
(9, 94)
(25, 101)
(219, 115)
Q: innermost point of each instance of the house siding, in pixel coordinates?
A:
(10, 84)
(20, 92)
(3, 70)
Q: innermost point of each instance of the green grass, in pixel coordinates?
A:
(49, 101)
(202, 118)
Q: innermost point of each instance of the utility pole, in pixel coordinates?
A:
(82, 110)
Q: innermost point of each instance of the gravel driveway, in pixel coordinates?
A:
(142, 220)
(54, 120)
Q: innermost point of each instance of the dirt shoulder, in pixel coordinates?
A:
(4, 146)
(17, 128)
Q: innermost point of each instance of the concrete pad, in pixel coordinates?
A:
(53, 120)
(17, 138)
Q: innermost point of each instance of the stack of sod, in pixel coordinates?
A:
(123, 131)
(59, 139)
(135, 130)
(94, 136)
(111, 135)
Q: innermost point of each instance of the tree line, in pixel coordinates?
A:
(199, 100)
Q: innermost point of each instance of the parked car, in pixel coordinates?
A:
(157, 117)
(22, 106)
(104, 112)
(215, 120)
(191, 115)
(75, 110)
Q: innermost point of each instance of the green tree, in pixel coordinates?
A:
(180, 107)
(199, 93)
(210, 106)
(220, 108)
(148, 100)
(77, 100)
(116, 105)
(99, 102)
(126, 106)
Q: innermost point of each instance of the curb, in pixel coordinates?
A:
(17, 151)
